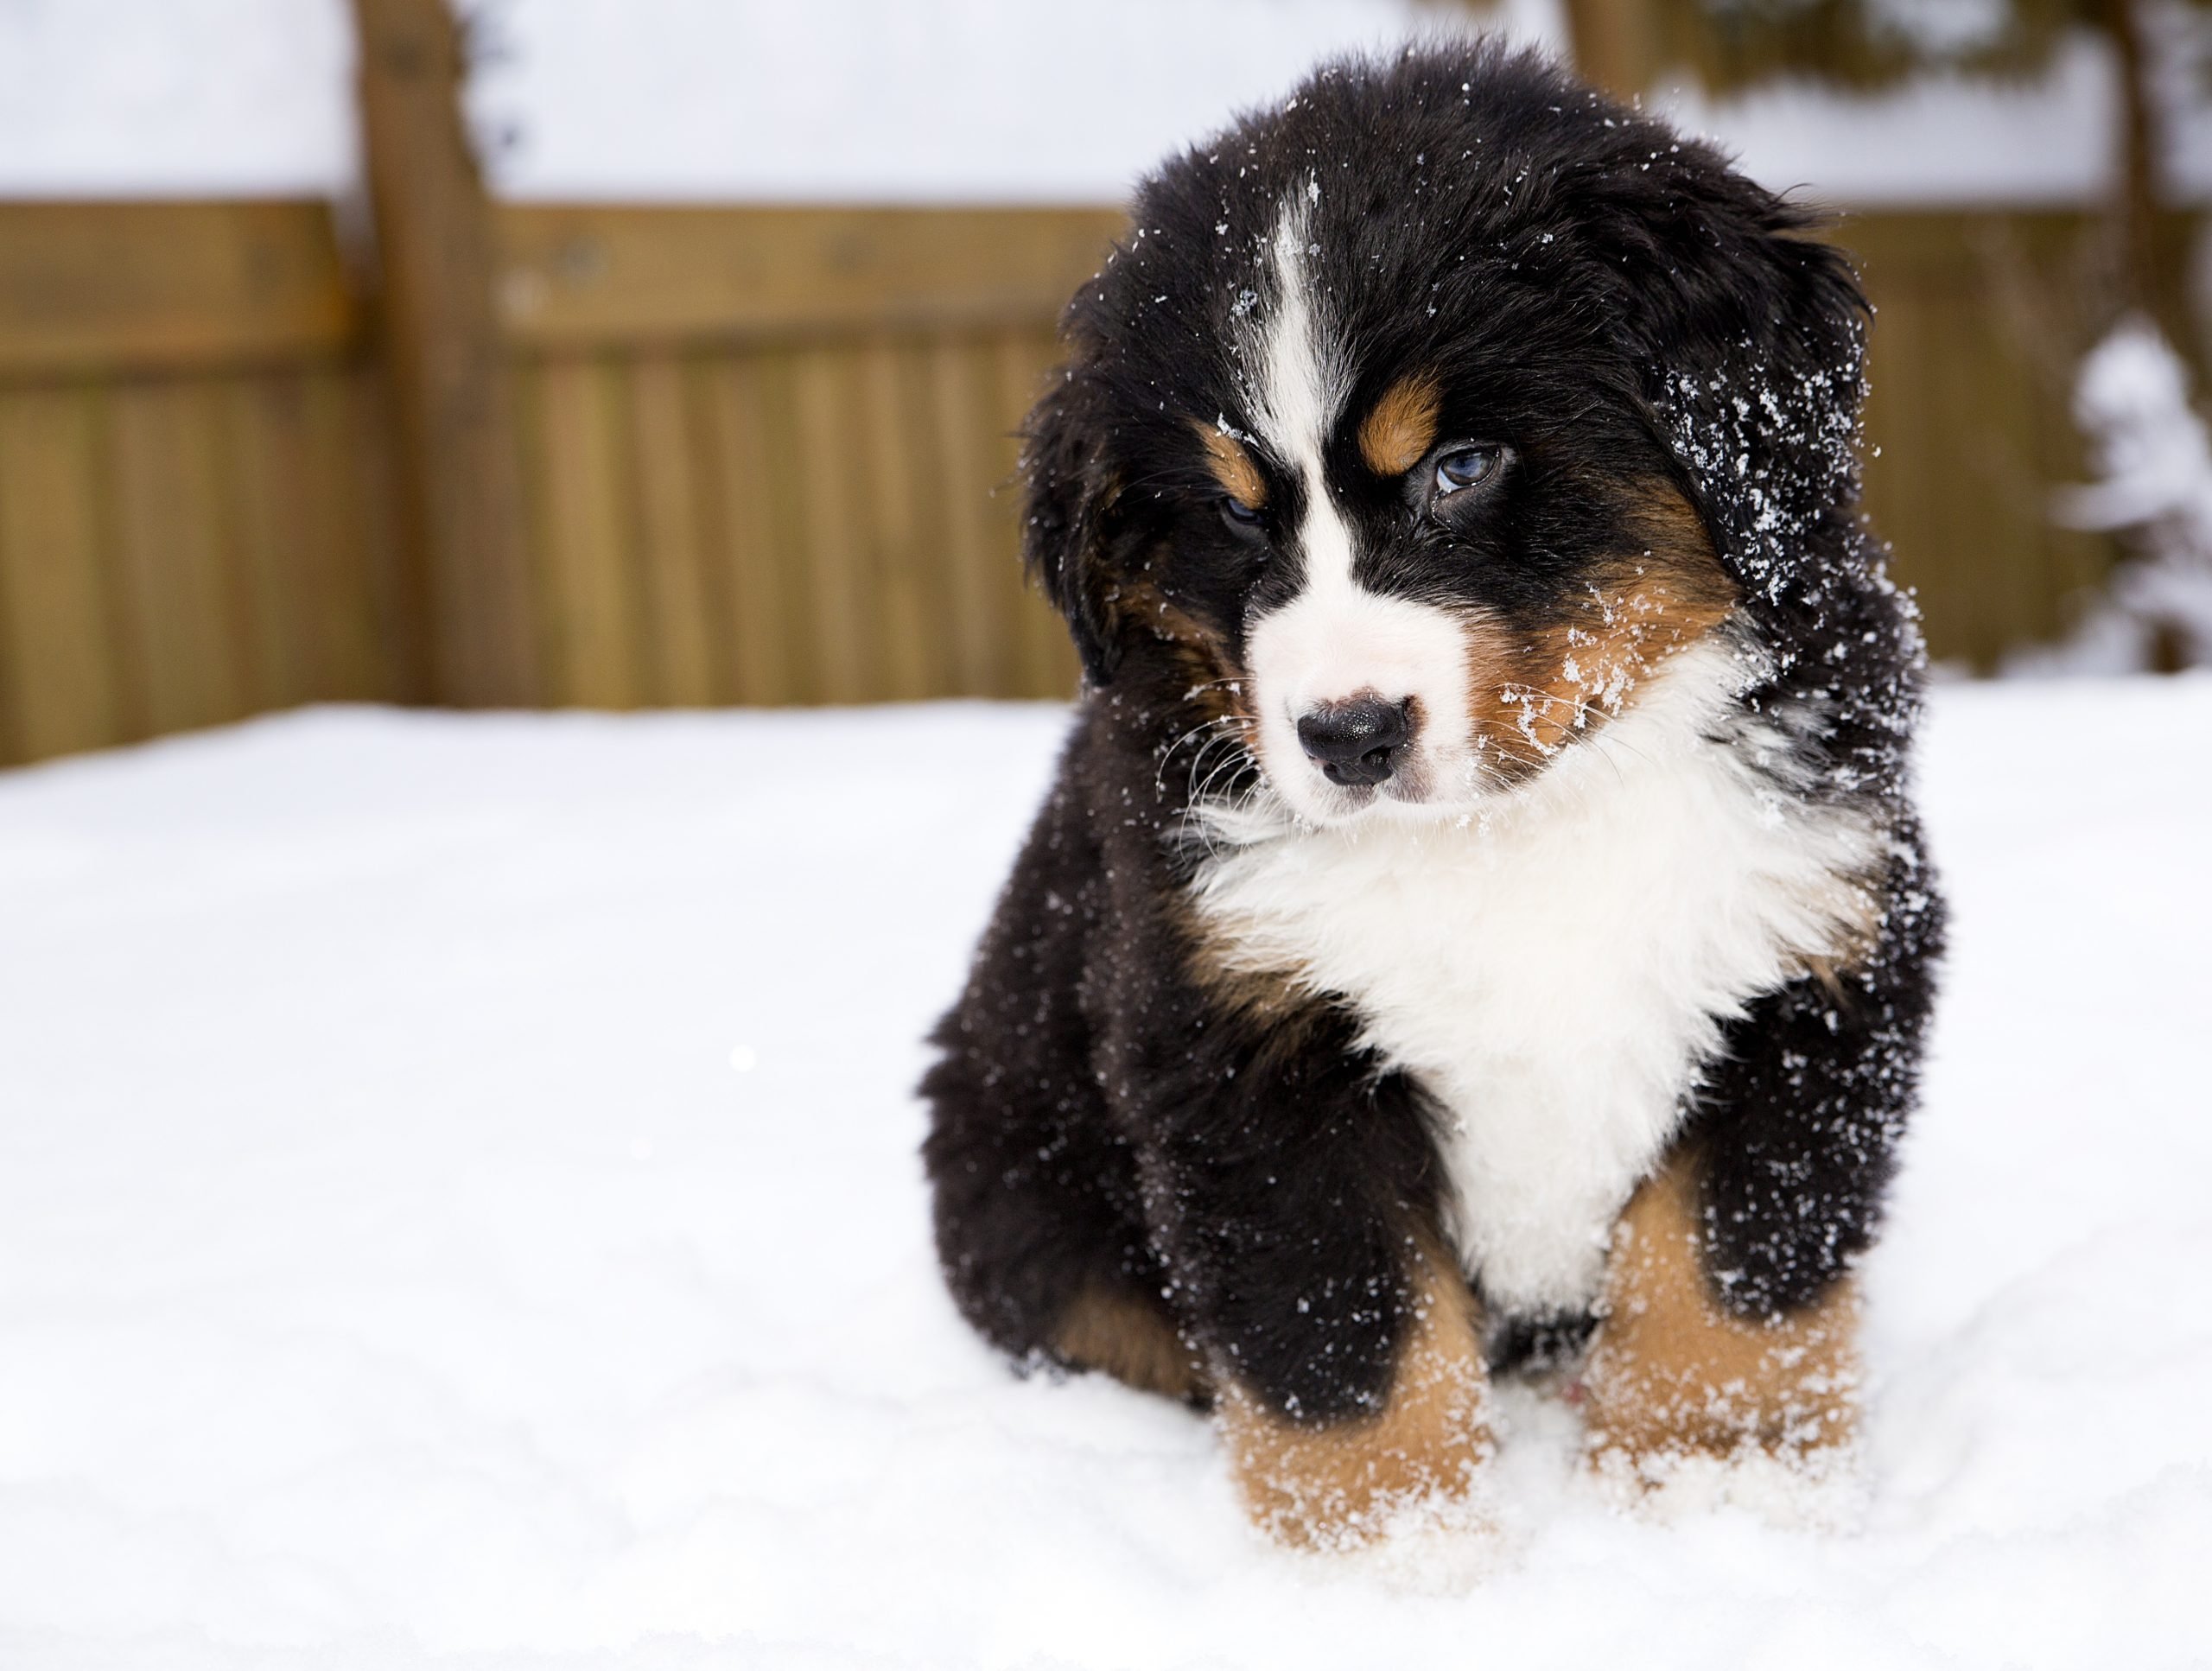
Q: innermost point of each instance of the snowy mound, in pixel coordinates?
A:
(458, 1202)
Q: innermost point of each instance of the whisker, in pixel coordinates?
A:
(1168, 752)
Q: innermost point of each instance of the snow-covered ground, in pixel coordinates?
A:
(458, 1202)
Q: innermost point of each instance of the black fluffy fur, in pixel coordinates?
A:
(1621, 305)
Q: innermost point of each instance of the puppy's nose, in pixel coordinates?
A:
(1357, 742)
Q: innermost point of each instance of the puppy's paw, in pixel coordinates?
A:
(1341, 1484)
(1353, 1485)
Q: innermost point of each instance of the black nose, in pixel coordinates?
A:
(1358, 741)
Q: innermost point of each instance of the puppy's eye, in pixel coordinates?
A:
(1242, 517)
(1466, 466)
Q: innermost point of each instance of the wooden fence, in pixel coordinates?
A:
(762, 455)
(195, 502)
(762, 449)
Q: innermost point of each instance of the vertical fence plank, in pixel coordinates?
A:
(584, 535)
(337, 587)
(739, 528)
(782, 487)
(1895, 438)
(266, 428)
(2003, 459)
(63, 688)
(367, 541)
(180, 599)
(894, 459)
(979, 623)
(679, 661)
(843, 614)
(928, 560)
(1955, 515)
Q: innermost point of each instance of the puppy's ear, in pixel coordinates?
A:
(1724, 273)
(1068, 491)
(1752, 335)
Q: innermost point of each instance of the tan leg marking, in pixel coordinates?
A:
(1130, 1341)
(1335, 1484)
(1671, 1373)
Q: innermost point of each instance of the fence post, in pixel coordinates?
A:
(1613, 44)
(436, 255)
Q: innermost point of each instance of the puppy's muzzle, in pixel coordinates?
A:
(1357, 743)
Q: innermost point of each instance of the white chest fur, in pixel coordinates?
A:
(1555, 969)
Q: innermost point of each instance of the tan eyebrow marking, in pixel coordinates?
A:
(1402, 426)
(1232, 466)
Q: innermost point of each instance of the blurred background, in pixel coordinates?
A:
(624, 353)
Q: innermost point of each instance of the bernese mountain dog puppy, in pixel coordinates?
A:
(1480, 916)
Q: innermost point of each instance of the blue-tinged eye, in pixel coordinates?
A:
(1465, 466)
(1239, 513)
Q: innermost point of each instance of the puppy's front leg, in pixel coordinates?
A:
(1289, 1186)
(1672, 1373)
(1339, 1480)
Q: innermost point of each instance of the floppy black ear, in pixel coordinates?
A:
(1750, 333)
(1068, 489)
(1721, 268)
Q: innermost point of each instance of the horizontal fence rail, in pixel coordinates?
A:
(765, 454)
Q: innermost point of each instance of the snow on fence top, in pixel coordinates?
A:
(884, 100)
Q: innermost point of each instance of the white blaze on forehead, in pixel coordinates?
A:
(1335, 640)
(1301, 389)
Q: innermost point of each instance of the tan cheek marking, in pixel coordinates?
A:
(1217, 685)
(1217, 693)
(1398, 433)
(1670, 1373)
(1335, 1485)
(1513, 722)
(1530, 693)
(1232, 466)
(1132, 1342)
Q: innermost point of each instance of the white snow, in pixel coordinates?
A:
(2153, 459)
(920, 100)
(836, 101)
(458, 1203)
(842, 100)
(176, 98)
(1942, 139)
